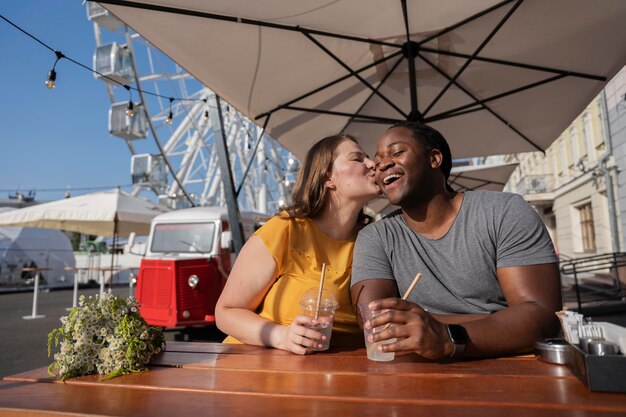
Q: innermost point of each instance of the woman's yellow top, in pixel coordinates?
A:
(299, 248)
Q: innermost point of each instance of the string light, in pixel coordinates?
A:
(206, 113)
(130, 109)
(52, 74)
(170, 116)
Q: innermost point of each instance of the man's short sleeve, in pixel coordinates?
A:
(370, 259)
(522, 237)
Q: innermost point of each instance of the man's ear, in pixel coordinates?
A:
(436, 158)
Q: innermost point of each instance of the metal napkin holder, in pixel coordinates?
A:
(599, 373)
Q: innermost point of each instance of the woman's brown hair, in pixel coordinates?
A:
(309, 192)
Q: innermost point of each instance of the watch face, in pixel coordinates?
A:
(458, 334)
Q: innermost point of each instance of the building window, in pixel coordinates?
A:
(590, 146)
(574, 145)
(562, 157)
(555, 166)
(588, 233)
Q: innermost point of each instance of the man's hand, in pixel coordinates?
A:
(415, 329)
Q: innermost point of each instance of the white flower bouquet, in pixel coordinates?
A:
(104, 335)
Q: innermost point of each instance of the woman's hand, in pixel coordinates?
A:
(298, 339)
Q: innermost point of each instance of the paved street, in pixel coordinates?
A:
(23, 343)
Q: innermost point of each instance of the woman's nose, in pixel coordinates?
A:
(369, 164)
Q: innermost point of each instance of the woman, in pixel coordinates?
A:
(283, 259)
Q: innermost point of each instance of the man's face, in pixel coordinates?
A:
(402, 166)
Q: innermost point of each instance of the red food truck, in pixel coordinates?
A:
(187, 261)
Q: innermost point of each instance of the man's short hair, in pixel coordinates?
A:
(432, 139)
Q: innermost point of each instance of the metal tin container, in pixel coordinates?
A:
(553, 350)
(603, 348)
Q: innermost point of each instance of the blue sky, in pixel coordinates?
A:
(55, 139)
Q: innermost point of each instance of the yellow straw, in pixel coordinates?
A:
(319, 294)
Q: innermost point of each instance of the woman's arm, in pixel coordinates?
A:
(246, 287)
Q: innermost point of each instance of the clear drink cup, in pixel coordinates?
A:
(372, 348)
(325, 315)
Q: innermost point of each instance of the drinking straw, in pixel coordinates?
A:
(408, 290)
(319, 294)
(407, 293)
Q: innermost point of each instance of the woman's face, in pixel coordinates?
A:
(353, 173)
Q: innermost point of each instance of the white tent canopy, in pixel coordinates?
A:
(494, 76)
(99, 214)
(31, 247)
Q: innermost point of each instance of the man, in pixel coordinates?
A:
(490, 280)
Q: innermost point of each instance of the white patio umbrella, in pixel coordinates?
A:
(109, 213)
(481, 177)
(105, 213)
(494, 76)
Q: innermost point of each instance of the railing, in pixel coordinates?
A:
(597, 278)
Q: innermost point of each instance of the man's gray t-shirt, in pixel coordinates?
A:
(492, 230)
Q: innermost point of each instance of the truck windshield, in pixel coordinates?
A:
(183, 238)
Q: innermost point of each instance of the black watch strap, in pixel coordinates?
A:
(458, 336)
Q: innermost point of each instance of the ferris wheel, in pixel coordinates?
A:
(165, 120)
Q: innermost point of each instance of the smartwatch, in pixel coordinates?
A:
(458, 336)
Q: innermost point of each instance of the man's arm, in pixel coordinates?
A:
(373, 289)
(533, 295)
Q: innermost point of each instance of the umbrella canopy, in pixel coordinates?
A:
(481, 177)
(493, 76)
(95, 214)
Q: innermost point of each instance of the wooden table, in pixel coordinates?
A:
(206, 379)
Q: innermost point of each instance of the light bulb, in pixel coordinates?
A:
(52, 77)
(169, 119)
(206, 116)
(130, 110)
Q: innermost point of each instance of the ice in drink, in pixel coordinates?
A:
(323, 313)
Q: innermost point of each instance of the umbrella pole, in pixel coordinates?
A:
(410, 49)
(113, 253)
(234, 217)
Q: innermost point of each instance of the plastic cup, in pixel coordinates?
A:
(325, 315)
(372, 348)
